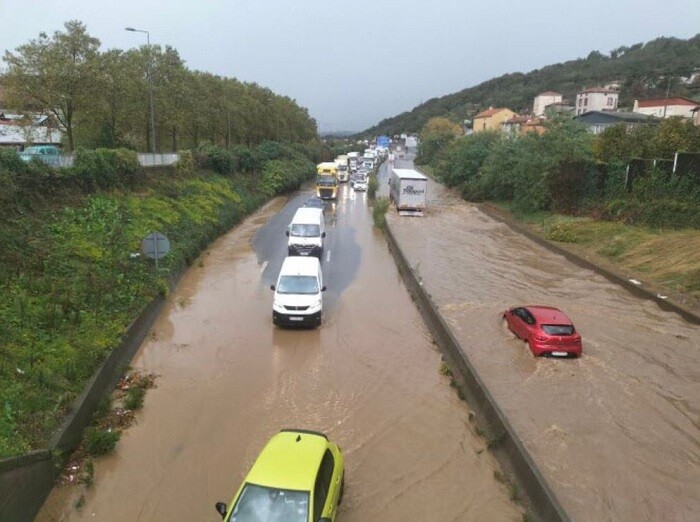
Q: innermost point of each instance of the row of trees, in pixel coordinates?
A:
(101, 99)
(569, 170)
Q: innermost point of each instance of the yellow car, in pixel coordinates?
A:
(298, 477)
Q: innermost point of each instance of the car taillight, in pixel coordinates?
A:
(539, 337)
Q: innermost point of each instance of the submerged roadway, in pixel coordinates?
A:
(228, 379)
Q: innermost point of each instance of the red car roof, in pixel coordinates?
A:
(548, 315)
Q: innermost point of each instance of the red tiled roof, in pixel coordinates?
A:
(517, 119)
(602, 90)
(488, 113)
(660, 102)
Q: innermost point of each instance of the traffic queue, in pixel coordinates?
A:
(298, 292)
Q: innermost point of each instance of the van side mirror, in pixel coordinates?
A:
(323, 288)
(221, 509)
(287, 233)
(272, 287)
(323, 234)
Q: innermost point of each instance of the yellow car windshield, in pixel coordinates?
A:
(262, 504)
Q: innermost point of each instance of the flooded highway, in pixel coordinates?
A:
(616, 433)
(228, 380)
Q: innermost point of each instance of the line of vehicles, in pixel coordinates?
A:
(298, 292)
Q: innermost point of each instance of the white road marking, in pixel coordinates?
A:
(328, 256)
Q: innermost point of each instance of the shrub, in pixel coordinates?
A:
(100, 442)
(379, 209)
(134, 398)
(186, 165)
(372, 187)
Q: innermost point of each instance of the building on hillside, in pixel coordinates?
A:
(666, 107)
(522, 124)
(543, 100)
(596, 99)
(535, 125)
(19, 131)
(512, 126)
(598, 121)
(559, 108)
(491, 119)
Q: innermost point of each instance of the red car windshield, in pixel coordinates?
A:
(558, 329)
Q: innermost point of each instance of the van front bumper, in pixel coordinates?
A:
(292, 319)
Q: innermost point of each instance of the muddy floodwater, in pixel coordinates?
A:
(228, 380)
(616, 432)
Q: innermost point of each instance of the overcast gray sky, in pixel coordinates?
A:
(353, 63)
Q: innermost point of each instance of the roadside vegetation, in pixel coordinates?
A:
(71, 274)
(573, 186)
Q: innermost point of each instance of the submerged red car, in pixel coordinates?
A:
(547, 330)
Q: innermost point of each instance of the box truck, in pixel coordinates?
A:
(408, 190)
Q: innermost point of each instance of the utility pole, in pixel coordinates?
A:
(149, 73)
(668, 89)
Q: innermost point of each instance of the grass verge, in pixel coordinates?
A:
(667, 258)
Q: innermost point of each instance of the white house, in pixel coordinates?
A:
(596, 99)
(666, 107)
(19, 131)
(543, 99)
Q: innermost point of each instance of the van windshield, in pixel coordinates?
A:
(301, 230)
(298, 285)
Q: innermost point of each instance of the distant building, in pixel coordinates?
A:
(559, 108)
(512, 126)
(491, 119)
(535, 125)
(19, 131)
(543, 100)
(598, 121)
(522, 124)
(666, 107)
(596, 99)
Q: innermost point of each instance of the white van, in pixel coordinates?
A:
(306, 232)
(298, 293)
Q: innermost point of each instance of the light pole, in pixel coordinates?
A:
(150, 86)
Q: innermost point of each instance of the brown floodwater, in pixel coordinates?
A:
(228, 380)
(616, 432)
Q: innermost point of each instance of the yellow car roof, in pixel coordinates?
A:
(289, 460)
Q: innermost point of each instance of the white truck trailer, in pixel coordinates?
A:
(408, 190)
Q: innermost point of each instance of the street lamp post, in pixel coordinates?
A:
(150, 86)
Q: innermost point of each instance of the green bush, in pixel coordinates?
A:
(379, 210)
(186, 165)
(100, 442)
(134, 398)
(372, 187)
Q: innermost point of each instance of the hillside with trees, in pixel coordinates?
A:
(642, 70)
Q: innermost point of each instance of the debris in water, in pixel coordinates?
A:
(635, 282)
(660, 296)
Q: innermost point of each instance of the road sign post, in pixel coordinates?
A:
(155, 245)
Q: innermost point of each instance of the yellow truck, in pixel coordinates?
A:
(327, 180)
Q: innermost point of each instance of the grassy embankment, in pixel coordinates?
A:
(71, 280)
(667, 258)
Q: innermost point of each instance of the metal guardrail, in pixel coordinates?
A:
(145, 159)
(158, 160)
